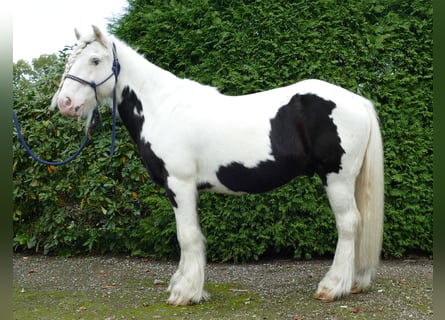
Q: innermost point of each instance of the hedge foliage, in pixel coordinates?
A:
(381, 49)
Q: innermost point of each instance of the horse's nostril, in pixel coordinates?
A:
(67, 101)
(76, 108)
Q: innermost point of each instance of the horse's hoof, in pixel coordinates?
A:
(179, 302)
(324, 296)
(356, 290)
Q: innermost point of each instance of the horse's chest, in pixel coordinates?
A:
(131, 112)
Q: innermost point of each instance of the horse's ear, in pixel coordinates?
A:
(77, 33)
(99, 36)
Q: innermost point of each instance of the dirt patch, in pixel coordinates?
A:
(130, 288)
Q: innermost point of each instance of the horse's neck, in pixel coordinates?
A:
(149, 82)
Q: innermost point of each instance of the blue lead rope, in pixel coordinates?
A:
(52, 163)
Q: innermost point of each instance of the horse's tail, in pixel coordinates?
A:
(369, 196)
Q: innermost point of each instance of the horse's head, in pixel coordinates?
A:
(88, 76)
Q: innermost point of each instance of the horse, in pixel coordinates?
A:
(192, 139)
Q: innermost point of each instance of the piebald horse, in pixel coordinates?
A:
(192, 138)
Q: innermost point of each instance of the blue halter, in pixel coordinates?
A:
(115, 72)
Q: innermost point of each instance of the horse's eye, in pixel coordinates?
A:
(95, 61)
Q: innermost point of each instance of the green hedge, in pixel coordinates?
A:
(97, 204)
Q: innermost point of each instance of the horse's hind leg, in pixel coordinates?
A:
(186, 285)
(339, 279)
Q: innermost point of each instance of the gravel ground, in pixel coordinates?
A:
(281, 289)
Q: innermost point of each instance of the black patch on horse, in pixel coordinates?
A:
(131, 103)
(204, 186)
(304, 141)
(130, 111)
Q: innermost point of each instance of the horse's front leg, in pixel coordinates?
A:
(186, 285)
